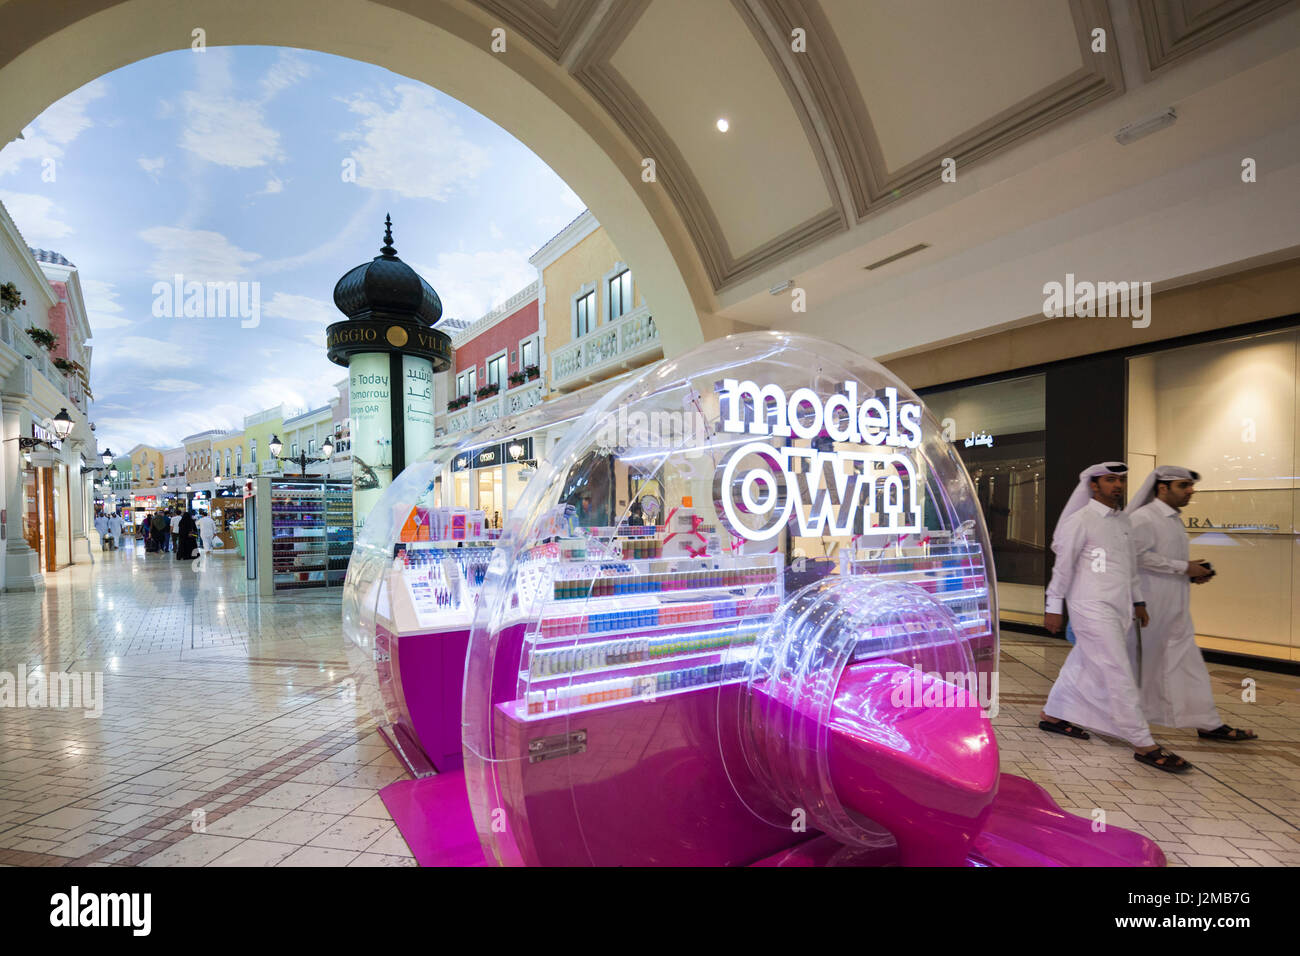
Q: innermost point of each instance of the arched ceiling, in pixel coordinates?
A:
(841, 113)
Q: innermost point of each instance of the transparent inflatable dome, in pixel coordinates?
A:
(702, 623)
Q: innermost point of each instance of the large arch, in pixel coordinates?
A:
(48, 50)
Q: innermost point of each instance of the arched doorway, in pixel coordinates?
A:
(47, 51)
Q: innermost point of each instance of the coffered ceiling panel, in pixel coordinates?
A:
(669, 70)
(929, 70)
(1172, 29)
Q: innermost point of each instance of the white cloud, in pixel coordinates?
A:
(471, 283)
(175, 385)
(301, 308)
(200, 255)
(36, 216)
(273, 185)
(102, 306)
(228, 131)
(59, 125)
(153, 166)
(285, 72)
(412, 145)
(145, 352)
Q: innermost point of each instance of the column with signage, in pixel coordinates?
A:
(391, 351)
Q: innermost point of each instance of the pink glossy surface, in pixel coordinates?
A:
(422, 682)
(927, 773)
(434, 818)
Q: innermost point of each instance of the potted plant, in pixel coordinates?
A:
(531, 372)
(487, 391)
(517, 378)
(44, 338)
(458, 403)
(68, 367)
(10, 297)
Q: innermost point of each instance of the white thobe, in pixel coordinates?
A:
(207, 532)
(1096, 573)
(1175, 687)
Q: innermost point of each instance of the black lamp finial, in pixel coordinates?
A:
(387, 248)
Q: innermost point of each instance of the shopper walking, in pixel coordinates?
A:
(207, 533)
(1175, 686)
(158, 524)
(114, 531)
(175, 528)
(1096, 574)
(101, 527)
(186, 536)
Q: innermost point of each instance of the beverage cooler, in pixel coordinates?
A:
(299, 532)
(656, 673)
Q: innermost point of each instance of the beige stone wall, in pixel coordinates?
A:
(1220, 303)
(586, 263)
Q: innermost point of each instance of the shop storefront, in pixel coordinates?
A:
(490, 479)
(1225, 404)
(47, 496)
(998, 429)
(1227, 409)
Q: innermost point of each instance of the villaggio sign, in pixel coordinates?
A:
(838, 492)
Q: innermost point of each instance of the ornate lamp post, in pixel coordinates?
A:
(391, 351)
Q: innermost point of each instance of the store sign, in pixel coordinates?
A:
(824, 490)
(370, 404)
(45, 435)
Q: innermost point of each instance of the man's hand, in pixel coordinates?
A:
(1197, 571)
(1053, 623)
(1141, 614)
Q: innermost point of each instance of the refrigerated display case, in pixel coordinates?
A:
(696, 692)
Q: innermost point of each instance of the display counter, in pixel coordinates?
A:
(695, 692)
(417, 568)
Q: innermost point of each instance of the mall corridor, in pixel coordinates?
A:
(229, 736)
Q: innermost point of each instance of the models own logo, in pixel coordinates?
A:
(872, 491)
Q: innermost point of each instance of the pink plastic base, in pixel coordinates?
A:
(1025, 828)
(434, 818)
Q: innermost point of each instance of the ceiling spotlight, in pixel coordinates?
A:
(723, 125)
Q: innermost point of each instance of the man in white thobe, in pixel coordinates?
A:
(1096, 573)
(101, 526)
(1175, 686)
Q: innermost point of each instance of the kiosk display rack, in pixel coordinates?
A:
(691, 692)
(304, 532)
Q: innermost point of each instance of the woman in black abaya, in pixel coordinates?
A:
(188, 538)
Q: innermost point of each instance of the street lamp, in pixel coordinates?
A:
(107, 457)
(516, 451)
(302, 461)
(63, 424)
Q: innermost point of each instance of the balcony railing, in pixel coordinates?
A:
(484, 411)
(14, 335)
(629, 340)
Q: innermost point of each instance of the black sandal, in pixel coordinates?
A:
(1064, 729)
(1163, 759)
(1228, 733)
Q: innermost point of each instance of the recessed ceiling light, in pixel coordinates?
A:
(723, 125)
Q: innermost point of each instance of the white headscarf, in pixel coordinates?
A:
(1083, 491)
(1147, 493)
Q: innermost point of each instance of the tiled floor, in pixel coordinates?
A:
(229, 736)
